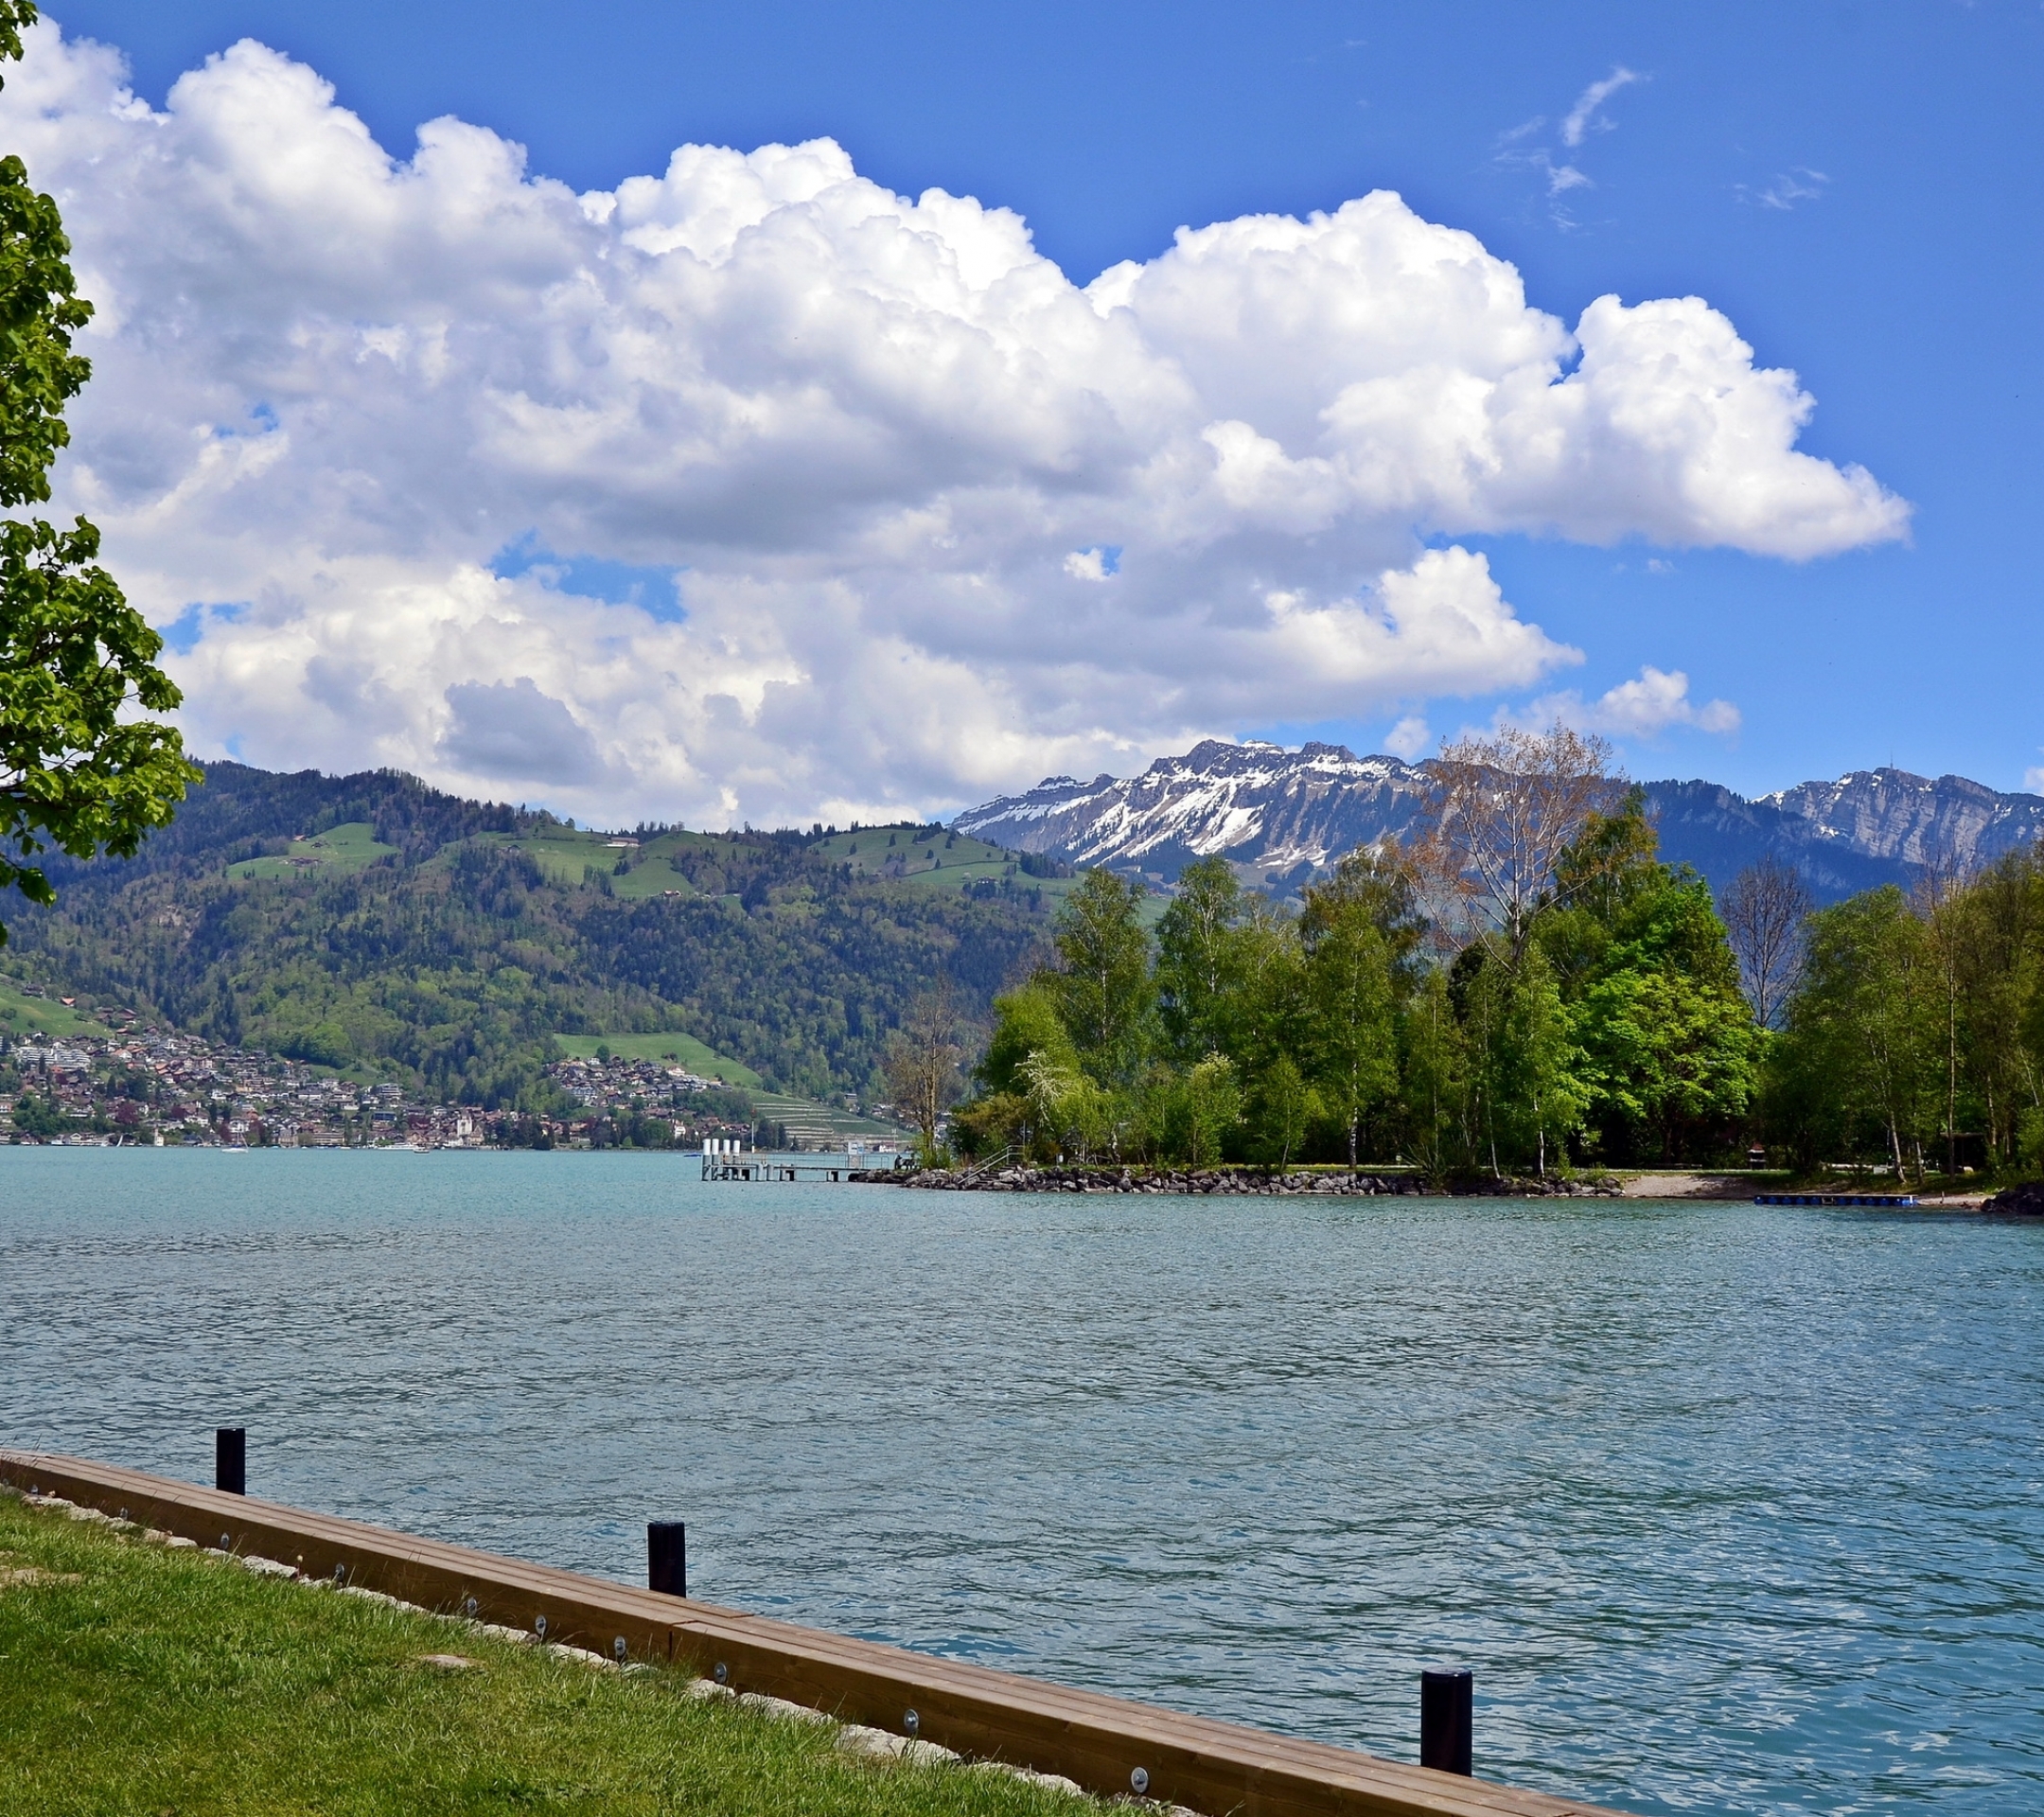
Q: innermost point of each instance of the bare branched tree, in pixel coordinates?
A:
(922, 1063)
(1764, 908)
(1502, 811)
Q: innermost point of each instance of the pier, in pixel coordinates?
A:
(725, 1159)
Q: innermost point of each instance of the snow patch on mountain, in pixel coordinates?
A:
(1289, 813)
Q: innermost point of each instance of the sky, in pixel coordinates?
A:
(986, 395)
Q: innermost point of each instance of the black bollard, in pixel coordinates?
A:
(1447, 1720)
(666, 1548)
(230, 1459)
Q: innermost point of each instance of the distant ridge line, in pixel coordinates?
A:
(1283, 814)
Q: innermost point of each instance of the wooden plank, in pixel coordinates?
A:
(1096, 1740)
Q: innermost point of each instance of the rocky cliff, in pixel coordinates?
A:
(1287, 813)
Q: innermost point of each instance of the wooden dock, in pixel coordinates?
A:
(1103, 1742)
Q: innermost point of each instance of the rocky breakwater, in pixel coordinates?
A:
(1218, 1181)
(2024, 1201)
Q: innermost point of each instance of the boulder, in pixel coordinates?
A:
(2024, 1201)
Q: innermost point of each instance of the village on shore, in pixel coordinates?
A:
(147, 1086)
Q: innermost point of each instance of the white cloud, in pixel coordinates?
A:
(1654, 701)
(1409, 737)
(2034, 779)
(856, 440)
(1582, 117)
(1788, 188)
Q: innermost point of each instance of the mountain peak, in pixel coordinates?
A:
(1288, 813)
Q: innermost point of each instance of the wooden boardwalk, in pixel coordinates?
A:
(1099, 1741)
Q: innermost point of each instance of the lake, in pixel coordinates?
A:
(1730, 1509)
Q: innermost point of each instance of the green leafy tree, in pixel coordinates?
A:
(1281, 1107)
(1860, 1068)
(1105, 991)
(1201, 961)
(1212, 1100)
(1350, 1036)
(1542, 1093)
(1435, 1080)
(1027, 1021)
(1671, 1044)
(77, 772)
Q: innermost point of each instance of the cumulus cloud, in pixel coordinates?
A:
(867, 447)
(1654, 701)
(1409, 737)
(511, 733)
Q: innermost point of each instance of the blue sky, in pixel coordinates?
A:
(1857, 186)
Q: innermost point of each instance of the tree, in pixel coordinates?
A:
(922, 1063)
(1212, 1108)
(1541, 1091)
(75, 774)
(1860, 1060)
(1350, 1034)
(1764, 909)
(1436, 1079)
(1281, 1108)
(1105, 988)
(1200, 960)
(1026, 1021)
(1501, 813)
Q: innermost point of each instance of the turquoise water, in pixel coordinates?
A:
(1729, 1509)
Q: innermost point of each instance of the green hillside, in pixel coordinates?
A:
(336, 853)
(683, 1050)
(23, 1014)
(372, 923)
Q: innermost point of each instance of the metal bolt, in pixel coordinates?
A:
(1139, 1781)
(619, 1648)
(539, 1625)
(339, 1574)
(910, 1721)
(468, 1608)
(723, 1674)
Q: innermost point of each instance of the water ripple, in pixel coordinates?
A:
(1731, 1509)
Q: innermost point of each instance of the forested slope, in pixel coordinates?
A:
(484, 930)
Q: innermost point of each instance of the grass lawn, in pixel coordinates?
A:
(339, 850)
(683, 1050)
(134, 1679)
(21, 1013)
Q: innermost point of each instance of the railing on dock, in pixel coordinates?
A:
(1109, 1745)
(726, 1160)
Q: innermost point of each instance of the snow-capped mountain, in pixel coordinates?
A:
(1259, 803)
(1892, 814)
(1288, 813)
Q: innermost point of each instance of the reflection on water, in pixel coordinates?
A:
(1729, 1509)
